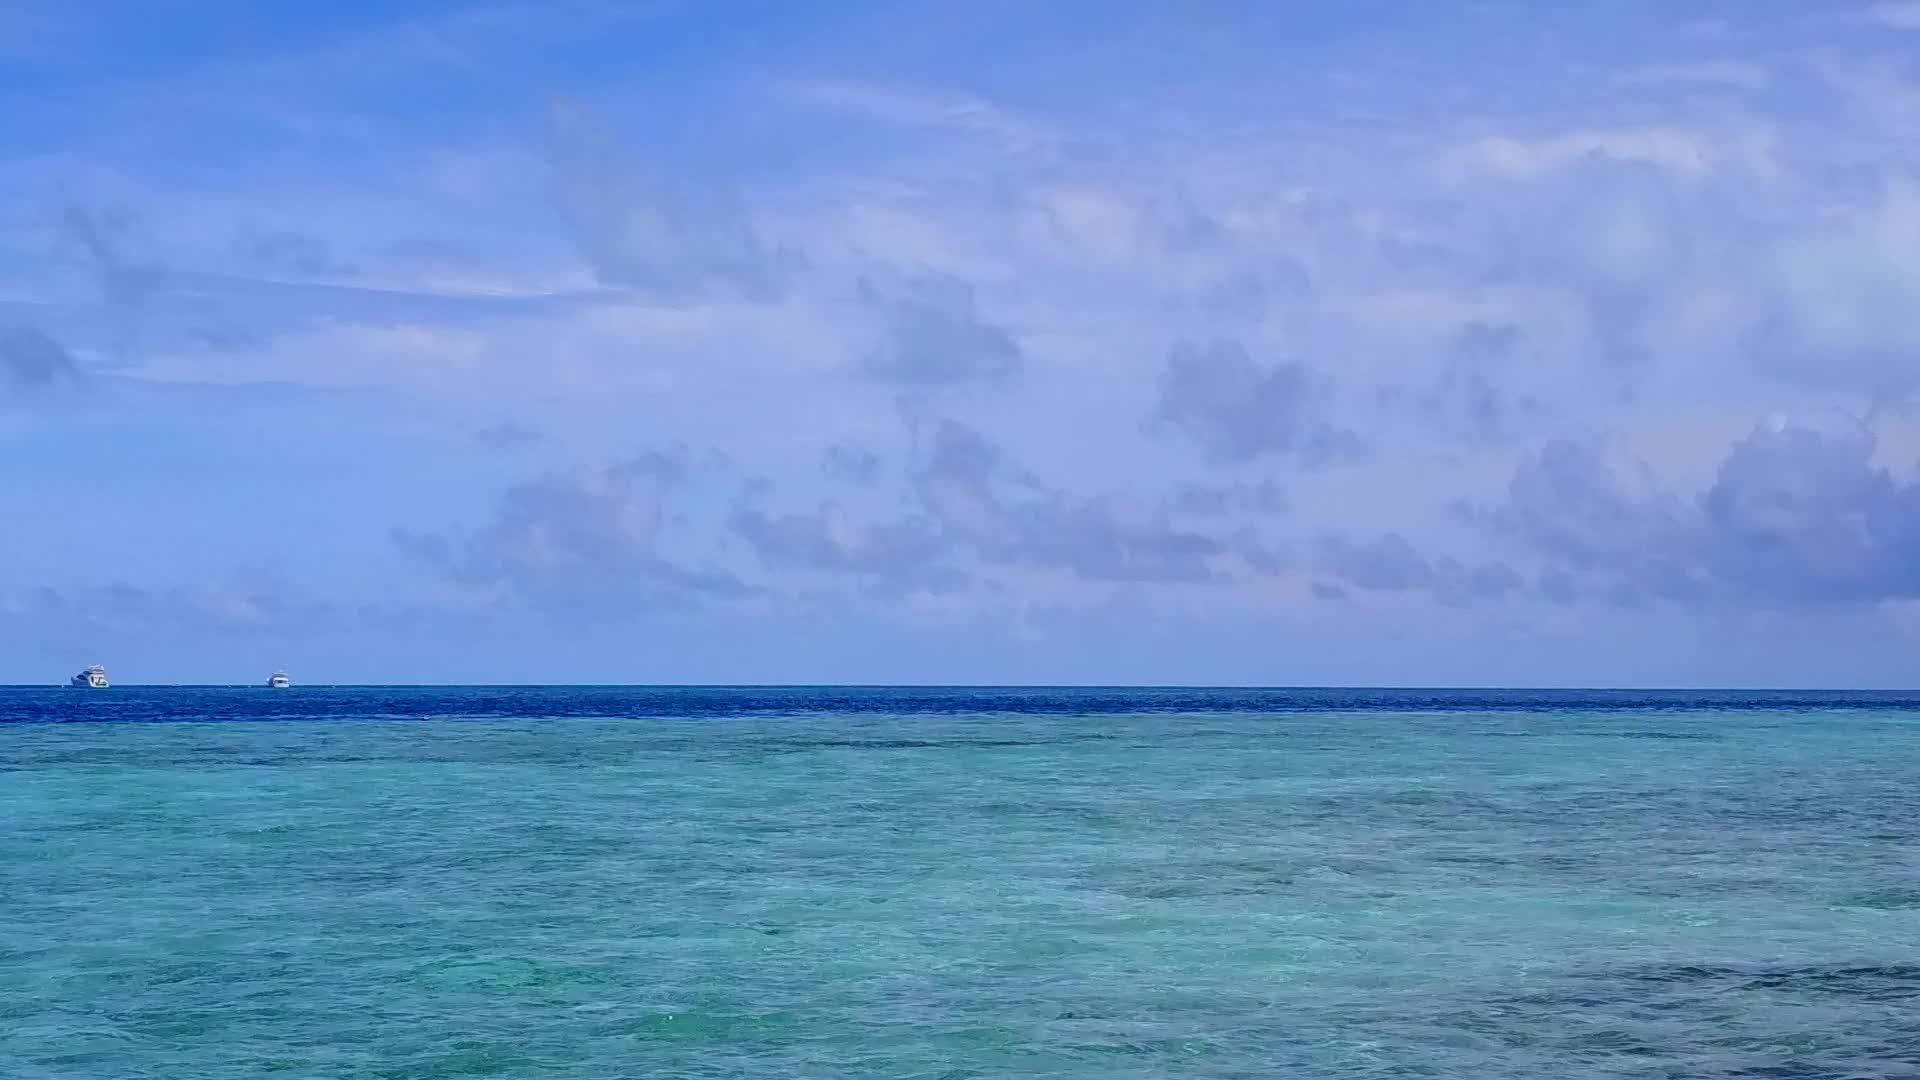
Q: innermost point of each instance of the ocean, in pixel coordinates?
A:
(934, 883)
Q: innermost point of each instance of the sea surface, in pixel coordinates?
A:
(915, 883)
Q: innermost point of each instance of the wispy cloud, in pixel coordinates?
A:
(1899, 14)
(917, 108)
(667, 236)
(585, 543)
(508, 436)
(1390, 563)
(935, 334)
(1737, 74)
(1236, 410)
(851, 463)
(29, 358)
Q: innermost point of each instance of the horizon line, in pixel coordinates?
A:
(1262, 687)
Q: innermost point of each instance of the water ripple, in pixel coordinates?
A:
(708, 882)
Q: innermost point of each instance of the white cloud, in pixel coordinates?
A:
(1683, 153)
(915, 107)
(1898, 14)
(1849, 285)
(1739, 74)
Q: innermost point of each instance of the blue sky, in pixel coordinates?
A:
(1382, 343)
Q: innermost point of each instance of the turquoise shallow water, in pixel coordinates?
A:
(845, 884)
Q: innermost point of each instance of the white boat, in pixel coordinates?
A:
(279, 681)
(94, 678)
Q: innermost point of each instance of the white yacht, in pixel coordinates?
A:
(94, 678)
(279, 681)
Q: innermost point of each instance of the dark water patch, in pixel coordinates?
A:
(1194, 879)
(1866, 982)
(442, 704)
(1701, 1021)
(1658, 736)
(1242, 885)
(1820, 1070)
(1890, 899)
(1616, 1042)
(910, 744)
(1471, 858)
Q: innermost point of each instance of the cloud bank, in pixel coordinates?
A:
(1073, 337)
